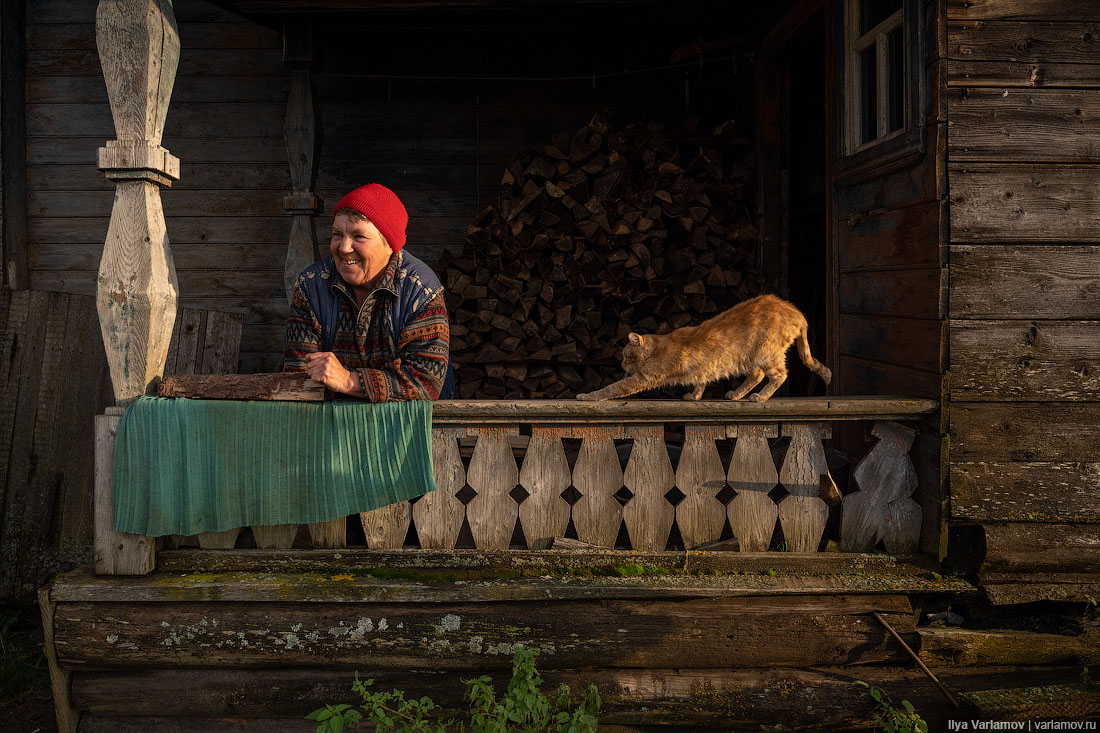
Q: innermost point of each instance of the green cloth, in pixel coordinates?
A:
(187, 466)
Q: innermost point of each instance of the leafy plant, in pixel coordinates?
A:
(888, 717)
(523, 708)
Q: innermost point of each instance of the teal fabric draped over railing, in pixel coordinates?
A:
(187, 466)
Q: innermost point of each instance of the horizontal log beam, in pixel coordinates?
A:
(496, 561)
(702, 698)
(387, 584)
(693, 633)
(465, 412)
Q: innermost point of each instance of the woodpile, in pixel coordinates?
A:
(600, 233)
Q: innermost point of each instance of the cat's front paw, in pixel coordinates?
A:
(587, 397)
(755, 397)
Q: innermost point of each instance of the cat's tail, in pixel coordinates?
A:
(807, 358)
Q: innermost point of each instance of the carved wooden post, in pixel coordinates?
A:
(302, 141)
(136, 293)
(544, 514)
(597, 475)
(136, 296)
(802, 514)
(648, 515)
(493, 474)
(882, 508)
(700, 476)
(439, 514)
(752, 475)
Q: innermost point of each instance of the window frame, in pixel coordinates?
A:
(909, 138)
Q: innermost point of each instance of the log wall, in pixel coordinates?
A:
(1023, 95)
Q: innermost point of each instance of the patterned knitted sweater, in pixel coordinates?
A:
(413, 368)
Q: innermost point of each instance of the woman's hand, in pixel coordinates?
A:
(325, 368)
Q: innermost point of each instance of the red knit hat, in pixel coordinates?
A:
(383, 208)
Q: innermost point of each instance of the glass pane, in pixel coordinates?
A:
(873, 12)
(868, 96)
(895, 92)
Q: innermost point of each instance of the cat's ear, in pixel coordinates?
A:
(635, 339)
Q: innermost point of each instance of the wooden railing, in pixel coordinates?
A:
(638, 472)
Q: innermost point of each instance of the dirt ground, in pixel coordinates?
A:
(32, 714)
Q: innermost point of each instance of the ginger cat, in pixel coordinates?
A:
(749, 339)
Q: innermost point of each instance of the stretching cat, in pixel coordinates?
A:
(749, 339)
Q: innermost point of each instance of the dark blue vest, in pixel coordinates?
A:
(415, 284)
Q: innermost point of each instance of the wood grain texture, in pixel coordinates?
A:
(302, 146)
(903, 238)
(66, 714)
(545, 474)
(683, 633)
(752, 513)
(1017, 125)
(597, 475)
(275, 386)
(669, 696)
(910, 293)
(1041, 548)
(649, 476)
(802, 515)
(137, 291)
(438, 514)
(904, 570)
(329, 535)
(1017, 361)
(492, 474)
(139, 49)
(1025, 281)
(975, 648)
(906, 342)
(116, 553)
(991, 202)
(700, 476)
(225, 540)
(1071, 41)
(1046, 10)
(275, 536)
(1032, 491)
(1036, 431)
(386, 527)
(902, 525)
(13, 147)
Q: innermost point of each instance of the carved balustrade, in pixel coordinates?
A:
(646, 475)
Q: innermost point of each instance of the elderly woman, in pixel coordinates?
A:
(370, 321)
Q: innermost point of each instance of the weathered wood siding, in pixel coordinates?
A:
(53, 382)
(224, 217)
(1023, 97)
(441, 143)
(888, 230)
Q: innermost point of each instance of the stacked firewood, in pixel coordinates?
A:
(598, 234)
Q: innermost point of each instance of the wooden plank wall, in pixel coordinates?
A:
(1024, 100)
(888, 220)
(440, 143)
(225, 219)
(53, 382)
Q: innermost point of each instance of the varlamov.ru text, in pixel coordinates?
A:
(1020, 725)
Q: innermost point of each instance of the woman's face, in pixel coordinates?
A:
(360, 251)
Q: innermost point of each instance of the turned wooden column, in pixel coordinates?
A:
(137, 291)
(302, 140)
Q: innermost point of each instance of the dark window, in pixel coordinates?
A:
(895, 109)
(868, 96)
(873, 12)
